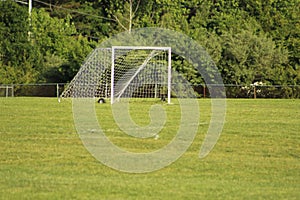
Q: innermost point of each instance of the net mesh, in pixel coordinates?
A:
(131, 72)
(140, 73)
(92, 80)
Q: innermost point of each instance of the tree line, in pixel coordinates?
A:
(249, 40)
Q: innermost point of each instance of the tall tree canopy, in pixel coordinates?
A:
(249, 40)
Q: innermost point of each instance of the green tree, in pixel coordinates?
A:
(249, 40)
(250, 55)
(18, 58)
(62, 48)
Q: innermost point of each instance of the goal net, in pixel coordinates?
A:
(124, 72)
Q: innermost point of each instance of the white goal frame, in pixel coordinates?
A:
(169, 70)
(125, 71)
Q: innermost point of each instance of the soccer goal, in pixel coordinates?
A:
(124, 72)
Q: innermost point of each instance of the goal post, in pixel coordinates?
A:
(124, 72)
(141, 72)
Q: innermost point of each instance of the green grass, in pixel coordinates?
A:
(256, 157)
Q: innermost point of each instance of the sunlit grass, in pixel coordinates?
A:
(256, 157)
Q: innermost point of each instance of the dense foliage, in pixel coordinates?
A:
(249, 40)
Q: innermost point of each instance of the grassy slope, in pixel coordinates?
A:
(256, 157)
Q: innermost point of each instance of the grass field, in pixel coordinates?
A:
(256, 157)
